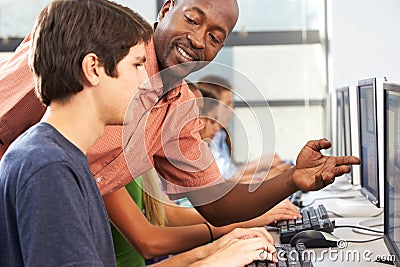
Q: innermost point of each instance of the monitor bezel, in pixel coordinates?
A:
(393, 249)
(377, 86)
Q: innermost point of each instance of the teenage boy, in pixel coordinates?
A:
(51, 211)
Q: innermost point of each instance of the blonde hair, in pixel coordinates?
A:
(152, 198)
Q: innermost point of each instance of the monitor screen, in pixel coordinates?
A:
(392, 168)
(368, 142)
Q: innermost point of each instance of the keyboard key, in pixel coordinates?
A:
(323, 212)
(281, 223)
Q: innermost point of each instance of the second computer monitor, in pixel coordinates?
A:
(392, 169)
(346, 122)
(340, 136)
(343, 126)
(370, 96)
(354, 132)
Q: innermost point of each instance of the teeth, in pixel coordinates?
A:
(185, 54)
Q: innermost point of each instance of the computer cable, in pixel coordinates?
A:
(359, 227)
(362, 230)
(378, 214)
(360, 241)
(364, 241)
(336, 214)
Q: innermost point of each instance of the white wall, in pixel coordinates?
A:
(365, 40)
(17, 21)
(147, 8)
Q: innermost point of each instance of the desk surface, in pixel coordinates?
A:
(348, 211)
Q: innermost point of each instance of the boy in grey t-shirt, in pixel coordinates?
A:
(51, 212)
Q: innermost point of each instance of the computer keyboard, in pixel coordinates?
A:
(312, 219)
(287, 256)
(295, 198)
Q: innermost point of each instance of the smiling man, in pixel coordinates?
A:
(193, 31)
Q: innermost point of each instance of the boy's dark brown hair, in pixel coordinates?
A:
(67, 30)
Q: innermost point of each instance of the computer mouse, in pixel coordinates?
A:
(314, 239)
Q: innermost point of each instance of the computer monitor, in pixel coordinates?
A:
(354, 133)
(346, 122)
(329, 119)
(343, 136)
(392, 169)
(370, 104)
(339, 123)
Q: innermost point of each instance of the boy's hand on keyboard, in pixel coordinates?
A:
(314, 171)
(242, 233)
(246, 233)
(240, 247)
(240, 252)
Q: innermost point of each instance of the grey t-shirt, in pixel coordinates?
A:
(51, 212)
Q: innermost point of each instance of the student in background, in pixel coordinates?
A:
(209, 116)
(221, 147)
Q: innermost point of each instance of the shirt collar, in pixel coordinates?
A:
(154, 83)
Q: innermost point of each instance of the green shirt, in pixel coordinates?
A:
(125, 254)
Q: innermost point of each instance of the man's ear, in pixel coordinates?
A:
(165, 8)
(91, 69)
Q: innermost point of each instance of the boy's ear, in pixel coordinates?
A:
(165, 8)
(91, 69)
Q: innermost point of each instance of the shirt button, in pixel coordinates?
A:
(98, 180)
